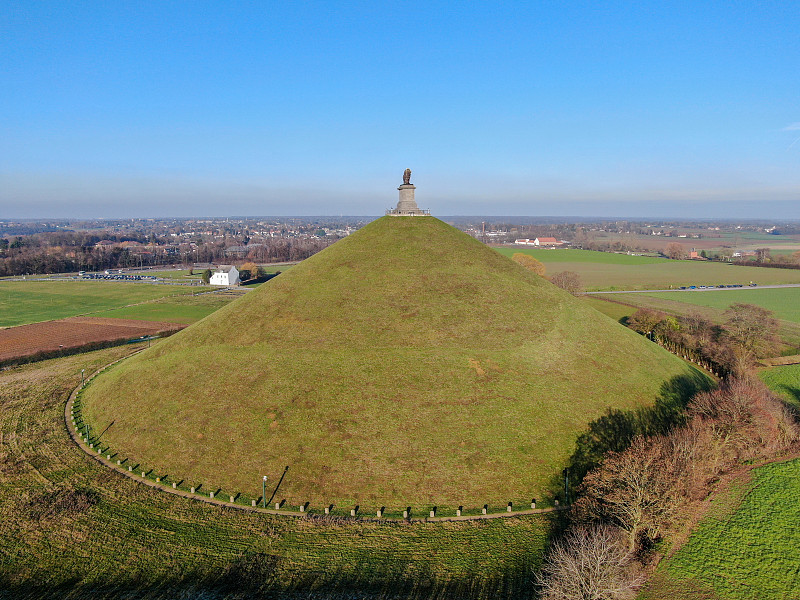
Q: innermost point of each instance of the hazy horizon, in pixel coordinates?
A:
(646, 110)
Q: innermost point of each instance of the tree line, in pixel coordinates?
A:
(69, 252)
(748, 333)
(647, 487)
(640, 495)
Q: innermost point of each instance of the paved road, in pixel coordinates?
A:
(709, 289)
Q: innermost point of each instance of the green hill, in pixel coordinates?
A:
(405, 364)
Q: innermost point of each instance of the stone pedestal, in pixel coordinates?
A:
(406, 205)
(407, 202)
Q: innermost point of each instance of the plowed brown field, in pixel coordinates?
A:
(25, 340)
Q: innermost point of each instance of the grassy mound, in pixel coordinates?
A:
(405, 364)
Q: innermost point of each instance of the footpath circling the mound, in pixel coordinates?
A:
(106, 460)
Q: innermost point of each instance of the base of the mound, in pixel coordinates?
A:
(105, 456)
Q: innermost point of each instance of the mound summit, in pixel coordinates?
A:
(407, 363)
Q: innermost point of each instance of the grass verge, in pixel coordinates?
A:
(745, 548)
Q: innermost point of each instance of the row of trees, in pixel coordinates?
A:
(749, 332)
(648, 490)
(35, 255)
(639, 495)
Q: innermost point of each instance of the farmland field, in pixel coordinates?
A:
(25, 340)
(72, 529)
(24, 302)
(711, 241)
(785, 302)
(745, 548)
(172, 309)
(565, 255)
(610, 271)
(784, 381)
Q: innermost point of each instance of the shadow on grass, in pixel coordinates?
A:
(793, 394)
(614, 431)
(262, 575)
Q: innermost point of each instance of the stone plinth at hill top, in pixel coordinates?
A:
(405, 364)
(407, 205)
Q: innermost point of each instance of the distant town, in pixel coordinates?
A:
(63, 246)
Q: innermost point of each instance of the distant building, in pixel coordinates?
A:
(542, 241)
(241, 251)
(225, 275)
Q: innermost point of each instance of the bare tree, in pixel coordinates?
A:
(529, 262)
(632, 489)
(751, 329)
(569, 281)
(644, 320)
(590, 563)
(699, 328)
(746, 418)
(675, 251)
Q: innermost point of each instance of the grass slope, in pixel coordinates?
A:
(23, 302)
(784, 381)
(405, 364)
(70, 529)
(746, 548)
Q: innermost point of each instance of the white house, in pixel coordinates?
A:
(225, 275)
(542, 241)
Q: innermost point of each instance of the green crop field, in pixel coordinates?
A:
(24, 302)
(784, 380)
(570, 255)
(173, 309)
(71, 529)
(746, 548)
(783, 302)
(611, 309)
(610, 271)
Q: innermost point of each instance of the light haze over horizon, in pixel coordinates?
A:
(556, 109)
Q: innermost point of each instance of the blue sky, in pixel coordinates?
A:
(684, 109)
